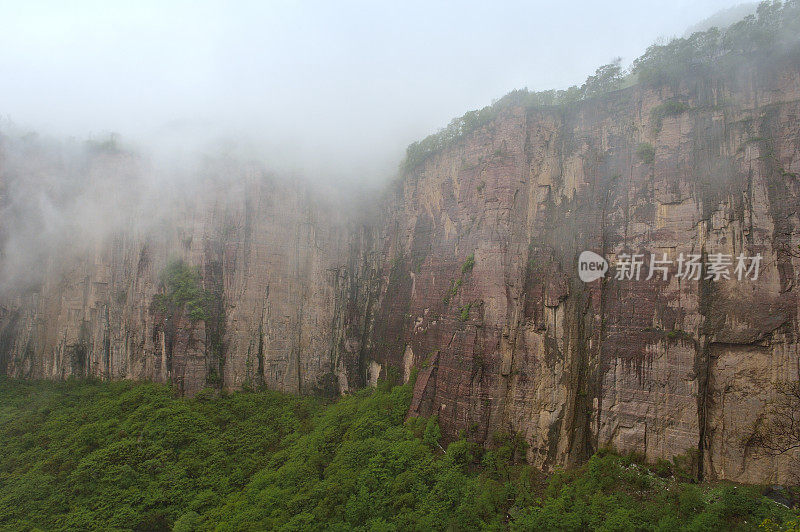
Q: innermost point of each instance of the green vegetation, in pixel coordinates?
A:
(646, 152)
(771, 30)
(468, 264)
(81, 455)
(607, 78)
(675, 334)
(455, 284)
(668, 108)
(464, 312)
(770, 33)
(182, 290)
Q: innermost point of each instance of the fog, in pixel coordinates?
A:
(111, 114)
(330, 91)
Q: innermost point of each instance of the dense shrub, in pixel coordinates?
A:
(82, 455)
(182, 291)
(85, 454)
(646, 152)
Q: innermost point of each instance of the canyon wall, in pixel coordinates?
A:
(464, 274)
(288, 273)
(517, 344)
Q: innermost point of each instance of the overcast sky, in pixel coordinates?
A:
(333, 88)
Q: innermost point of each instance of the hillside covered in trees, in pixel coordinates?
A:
(125, 456)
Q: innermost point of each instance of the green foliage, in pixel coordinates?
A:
(464, 312)
(793, 525)
(432, 433)
(646, 152)
(663, 468)
(468, 264)
(182, 291)
(455, 284)
(668, 108)
(773, 28)
(418, 152)
(606, 494)
(685, 466)
(606, 79)
(83, 455)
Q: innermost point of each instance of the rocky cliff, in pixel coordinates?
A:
(289, 276)
(466, 275)
(517, 344)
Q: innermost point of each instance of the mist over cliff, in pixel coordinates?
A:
(223, 268)
(61, 198)
(64, 194)
(331, 92)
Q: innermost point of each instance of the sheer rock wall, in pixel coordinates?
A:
(467, 275)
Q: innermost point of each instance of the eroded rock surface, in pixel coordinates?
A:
(467, 275)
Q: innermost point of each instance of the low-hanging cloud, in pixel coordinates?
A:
(329, 93)
(332, 90)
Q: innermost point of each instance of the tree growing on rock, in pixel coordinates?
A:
(779, 432)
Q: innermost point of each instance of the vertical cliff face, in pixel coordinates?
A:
(288, 280)
(516, 343)
(468, 277)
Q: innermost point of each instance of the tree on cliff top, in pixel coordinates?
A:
(606, 79)
(772, 31)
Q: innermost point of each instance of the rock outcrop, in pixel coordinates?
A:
(466, 274)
